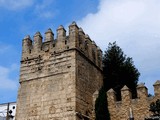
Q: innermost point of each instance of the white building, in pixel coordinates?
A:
(10, 107)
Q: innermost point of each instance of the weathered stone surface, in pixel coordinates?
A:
(140, 107)
(60, 79)
(59, 76)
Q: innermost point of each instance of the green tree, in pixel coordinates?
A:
(155, 107)
(101, 109)
(119, 70)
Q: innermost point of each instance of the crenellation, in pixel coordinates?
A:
(81, 32)
(61, 41)
(81, 41)
(73, 35)
(76, 39)
(99, 57)
(126, 95)
(58, 76)
(88, 46)
(61, 33)
(49, 35)
(37, 45)
(111, 96)
(27, 46)
(94, 52)
(157, 88)
(142, 91)
(139, 106)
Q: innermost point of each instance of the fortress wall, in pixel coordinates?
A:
(121, 110)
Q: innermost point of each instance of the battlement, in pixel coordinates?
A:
(140, 105)
(56, 75)
(142, 92)
(76, 39)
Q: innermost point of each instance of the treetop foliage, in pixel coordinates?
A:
(119, 70)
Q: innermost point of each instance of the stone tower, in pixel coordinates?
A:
(58, 76)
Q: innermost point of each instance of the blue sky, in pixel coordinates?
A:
(134, 24)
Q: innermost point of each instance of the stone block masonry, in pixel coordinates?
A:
(138, 108)
(58, 76)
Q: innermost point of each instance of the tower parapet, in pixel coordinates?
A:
(76, 39)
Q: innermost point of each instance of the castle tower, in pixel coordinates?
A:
(58, 76)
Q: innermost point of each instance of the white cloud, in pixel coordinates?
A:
(135, 25)
(43, 9)
(15, 4)
(6, 82)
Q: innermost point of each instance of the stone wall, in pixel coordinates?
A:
(139, 108)
(48, 91)
(58, 76)
(89, 79)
